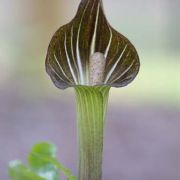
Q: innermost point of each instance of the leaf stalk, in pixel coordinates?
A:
(91, 111)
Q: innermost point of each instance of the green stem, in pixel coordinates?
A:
(91, 111)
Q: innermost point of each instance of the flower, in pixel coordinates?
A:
(89, 52)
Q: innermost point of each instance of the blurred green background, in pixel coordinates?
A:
(145, 114)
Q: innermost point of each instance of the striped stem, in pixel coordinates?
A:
(91, 112)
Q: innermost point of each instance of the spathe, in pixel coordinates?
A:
(69, 52)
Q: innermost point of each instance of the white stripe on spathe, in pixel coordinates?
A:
(92, 50)
(117, 48)
(115, 65)
(56, 73)
(61, 69)
(68, 60)
(109, 44)
(126, 70)
(72, 51)
(78, 51)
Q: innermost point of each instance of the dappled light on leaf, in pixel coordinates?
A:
(42, 165)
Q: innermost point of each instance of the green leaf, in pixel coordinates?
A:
(42, 166)
(17, 171)
(46, 159)
(42, 158)
(46, 149)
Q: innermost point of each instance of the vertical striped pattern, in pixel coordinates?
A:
(91, 108)
(109, 44)
(81, 73)
(61, 69)
(69, 62)
(115, 65)
(93, 43)
(71, 47)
